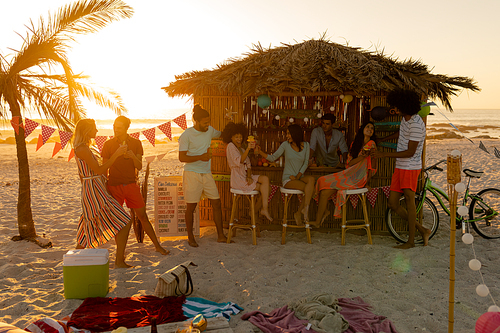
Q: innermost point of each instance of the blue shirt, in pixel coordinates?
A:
(196, 143)
(295, 161)
(318, 144)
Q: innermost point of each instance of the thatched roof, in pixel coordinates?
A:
(315, 66)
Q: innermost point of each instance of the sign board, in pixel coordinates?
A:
(170, 208)
(218, 147)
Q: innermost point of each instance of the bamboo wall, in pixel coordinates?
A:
(270, 133)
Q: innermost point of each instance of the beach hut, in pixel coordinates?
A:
(269, 88)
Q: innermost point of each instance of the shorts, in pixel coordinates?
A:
(198, 186)
(402, 179)
(128, 193)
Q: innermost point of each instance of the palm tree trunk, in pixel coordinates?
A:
(25, 221)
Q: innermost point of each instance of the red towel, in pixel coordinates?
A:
(101, 314)
(361, 319)
(278, 321)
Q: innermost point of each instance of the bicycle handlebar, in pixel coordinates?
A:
(435, 166)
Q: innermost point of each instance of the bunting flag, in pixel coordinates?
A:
(29, 127)
(150, 135)
(39, 142)
(497, 152)
(46, 133)
(354, 199)
(166, 129)
(372, 196)
(71, 154)
(57, 148)
(16, 123)
(150, 159)
(274, 189)
(161, 156)
(64, 137)
(483, 147)
(135, 135)
(387, 190)
(100, 140)
(181, 121)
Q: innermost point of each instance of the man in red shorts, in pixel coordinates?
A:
(408, 156)
(122, 175)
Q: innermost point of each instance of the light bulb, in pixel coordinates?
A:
(475, 264)
(460, 187)
(291, 120)
(482, 290)
(332, 108)
(264, 111)
(462, 211)
(467, 238)
(494, 308)
(306, 119)
(318, 115)
(455, 153)
(277, 117)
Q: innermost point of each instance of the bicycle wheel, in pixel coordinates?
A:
(428, 216)
(487, 208)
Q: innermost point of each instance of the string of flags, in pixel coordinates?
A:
(481, 146)
(30, 125)
(372, 195)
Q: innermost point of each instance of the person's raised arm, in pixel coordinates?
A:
(394, 135)
(83, 152)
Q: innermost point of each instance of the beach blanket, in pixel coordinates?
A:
(196, 305)
(278, 321)
(101, 314)
(361, 319)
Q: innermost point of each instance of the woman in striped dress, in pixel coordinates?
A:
(360, 168)
(102, 216)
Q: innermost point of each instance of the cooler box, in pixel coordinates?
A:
(86, 273)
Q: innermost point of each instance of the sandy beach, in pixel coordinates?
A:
(409, 287)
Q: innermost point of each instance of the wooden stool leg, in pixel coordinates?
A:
(252, 214)
(308, 232)
(231, 220)
(344, 218)
(367, 221)
(283, 231)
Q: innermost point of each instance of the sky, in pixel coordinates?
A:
(138, 56)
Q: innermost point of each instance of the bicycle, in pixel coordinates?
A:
(483, 213)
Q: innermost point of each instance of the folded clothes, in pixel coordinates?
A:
(101, 314)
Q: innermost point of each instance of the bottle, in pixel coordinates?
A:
(123, 144)
(154, 329)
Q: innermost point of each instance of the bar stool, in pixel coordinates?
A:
(288, 192)
(358, 224)
(232, 226)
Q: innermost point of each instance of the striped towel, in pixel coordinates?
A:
(196, 305)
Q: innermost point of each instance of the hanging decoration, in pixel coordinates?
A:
(181, 121)
(264, 101)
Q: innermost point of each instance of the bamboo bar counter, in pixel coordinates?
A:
(302, 82)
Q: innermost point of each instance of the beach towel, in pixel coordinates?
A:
(278, 321)
(361, 319)
(101, 314)
(196, 305)
(322, 312)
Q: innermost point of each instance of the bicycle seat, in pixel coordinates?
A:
(473, 174)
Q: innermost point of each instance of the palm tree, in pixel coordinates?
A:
(39, 78)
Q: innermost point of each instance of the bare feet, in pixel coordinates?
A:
(266, 214)
(425, 236)
(404, 246)
(162, 250)
(298, 218)
(305, 211)
(223, 239)
(192, 242)
(325, 215)
(122, 264)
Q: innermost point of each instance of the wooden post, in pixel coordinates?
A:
(454, 169)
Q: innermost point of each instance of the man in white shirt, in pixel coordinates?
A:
(411, 137)
(325, 141)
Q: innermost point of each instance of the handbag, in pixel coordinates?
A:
(175, 282)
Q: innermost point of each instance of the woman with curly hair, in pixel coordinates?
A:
(360, 168)
(235, 136)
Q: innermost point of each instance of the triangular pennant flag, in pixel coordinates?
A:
(15, 122)
(166, 129)
(354, 200)
(57, 148)
(497, 152)
(372, 196)
(282, 197)
(386, 190)
(274, 189)
(181, 121)
(482, 147)
(46, 133)
(71, 154)
(299, 196)
(150, 135)
(150, 159)
(29, 127)
(39, 142)
(64, 137)
(100, 140)
(161, 156)
(135, 135)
